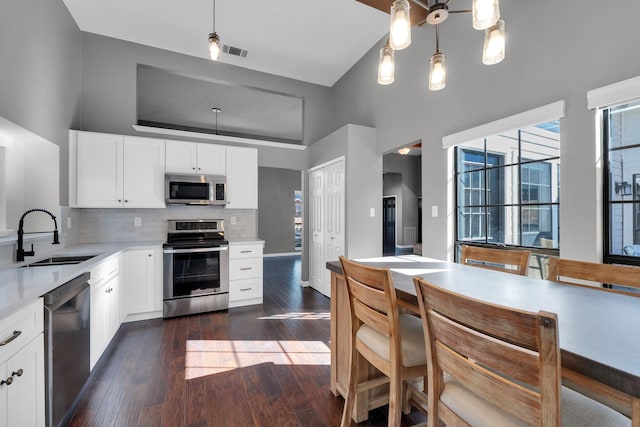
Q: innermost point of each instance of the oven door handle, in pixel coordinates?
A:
(195, 250)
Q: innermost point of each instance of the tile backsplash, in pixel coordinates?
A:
(119, 225)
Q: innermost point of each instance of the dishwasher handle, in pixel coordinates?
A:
(63, 293)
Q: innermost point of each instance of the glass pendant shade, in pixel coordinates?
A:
(494, 44)
(400, 31)
(214, 46)
(485, 13)
(437, 72)
(386, 66)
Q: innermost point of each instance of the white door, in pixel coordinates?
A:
(212, 159)
(181, 157)
(143, 173)
(327, 190)
(316, 267)
(242, 178)
(334, 217)
(99, 161)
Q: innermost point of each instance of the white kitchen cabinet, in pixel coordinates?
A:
(242, 178)
(195, 158)
(245, 274)
(142, 284)
(105, 305)
(113, 171)
(22, 384)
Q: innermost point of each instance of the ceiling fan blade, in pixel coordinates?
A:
(418, 14)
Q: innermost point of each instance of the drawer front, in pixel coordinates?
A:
(245, 289)
(107, 269)
(245, 251)
(245, 268)
(20, 328)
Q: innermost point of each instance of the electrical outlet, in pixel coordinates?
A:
(137, 221)
(234, 220)
(68, 222)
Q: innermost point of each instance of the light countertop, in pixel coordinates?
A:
(20, 286)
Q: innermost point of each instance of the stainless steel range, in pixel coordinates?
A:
(196, 267)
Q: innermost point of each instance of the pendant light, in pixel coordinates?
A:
(214, 40)
(216, 110)
(485, 13)
(386, 66)
(437, 68)
(494, 42)
(400, 34)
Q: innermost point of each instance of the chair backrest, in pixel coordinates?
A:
(582, 273)
(372, 301)
(491, 351)
(507, 260)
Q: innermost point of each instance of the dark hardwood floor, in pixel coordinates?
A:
(263, 365)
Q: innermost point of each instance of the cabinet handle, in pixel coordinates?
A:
(15, 335)
(245, 252)
(19, 373)
(8, 381)
(119, 200)
(126, 201)
(245, 289)
(245, 268)
(150, 255)
(193, 168)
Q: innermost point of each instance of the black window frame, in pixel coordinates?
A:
(534, 249)
(607, 256)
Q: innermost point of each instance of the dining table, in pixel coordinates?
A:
(599, 330)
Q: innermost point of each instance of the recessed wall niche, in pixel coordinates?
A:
(173, 100)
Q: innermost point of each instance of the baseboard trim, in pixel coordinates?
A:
(282, 254)
(305, 283)
(404, 246)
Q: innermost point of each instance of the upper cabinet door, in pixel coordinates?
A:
(212, 159)
(99, 177)
(242, 178)
(181, 157)
(144, 172)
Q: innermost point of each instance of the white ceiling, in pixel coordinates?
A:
(315, 41)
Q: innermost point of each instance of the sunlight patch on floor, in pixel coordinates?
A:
(302, 316)
(208, 357)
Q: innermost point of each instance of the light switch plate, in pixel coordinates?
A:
(137, 221)
(234, 220)
(434, 211)
(68, 222)
(372, 212)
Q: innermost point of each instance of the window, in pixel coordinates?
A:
(621, 137)
(508, 188)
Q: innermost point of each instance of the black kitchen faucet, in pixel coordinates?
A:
(21, 253)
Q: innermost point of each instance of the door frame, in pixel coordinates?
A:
(395, 223)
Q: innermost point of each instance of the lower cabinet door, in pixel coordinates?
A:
(25, 395)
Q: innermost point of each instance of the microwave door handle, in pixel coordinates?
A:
(195, 250)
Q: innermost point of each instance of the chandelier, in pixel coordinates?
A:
(485, 16)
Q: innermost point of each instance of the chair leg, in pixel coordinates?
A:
(395, 401)
(351, 391)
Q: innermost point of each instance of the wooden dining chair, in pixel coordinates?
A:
(507, 260)
(490, 365)
(590, 273)
(393, 343)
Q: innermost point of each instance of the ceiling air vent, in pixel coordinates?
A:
(231, 50)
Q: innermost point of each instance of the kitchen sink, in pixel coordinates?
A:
(60, 260)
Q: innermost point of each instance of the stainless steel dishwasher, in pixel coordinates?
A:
(67, 346)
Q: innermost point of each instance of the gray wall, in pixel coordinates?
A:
(276, 209)
(40, 75)
(109, 91)
(402, 178)
(560, 55)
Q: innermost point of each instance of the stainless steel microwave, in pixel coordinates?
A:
(195, 190)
